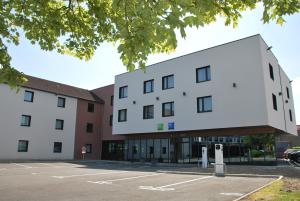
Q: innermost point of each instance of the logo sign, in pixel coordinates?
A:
(83, 150)
(160, 126)
(171, 125)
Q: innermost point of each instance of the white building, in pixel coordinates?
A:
(39, 122)
(235, 85)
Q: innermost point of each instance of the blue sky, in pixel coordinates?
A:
(105, 64)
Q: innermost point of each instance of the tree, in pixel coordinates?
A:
(137, 27)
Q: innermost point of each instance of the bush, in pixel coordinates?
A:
(257, 153)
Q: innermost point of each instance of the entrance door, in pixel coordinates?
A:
(181, 152)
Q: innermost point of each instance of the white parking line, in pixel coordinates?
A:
(122, 179)
(49, 165)
(166, 187)
(25, 166)
(83, 175)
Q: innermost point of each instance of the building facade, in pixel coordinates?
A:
(177, 106)
(44, 120)
(234, 94)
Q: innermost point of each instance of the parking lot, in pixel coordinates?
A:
(114, 182)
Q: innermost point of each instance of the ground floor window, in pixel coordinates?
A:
(57, 147)
(23, 146)
(236, 149)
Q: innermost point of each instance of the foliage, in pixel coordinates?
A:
(257, 153)
(137, 27)
(260, 140)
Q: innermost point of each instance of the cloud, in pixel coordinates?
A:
(296, 96)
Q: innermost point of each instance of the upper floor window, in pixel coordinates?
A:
(61, 102)
(274, 102)
(89, 127)
(123, 92)
(88, 148)
(204, 104)
(148, 112)
(291, 115)
(287, 93)
(271, 72)
(57, 147)
(111, 120)
(91, 107)
(112, 100)
(122, 115)
(148, 86)
(25, 120)
(28, 96)
(168, 109)
(59, 124)
(23, 146)
(168, 82)
(203, 74)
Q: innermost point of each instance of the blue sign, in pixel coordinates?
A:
(171, 125)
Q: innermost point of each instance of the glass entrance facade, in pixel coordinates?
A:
(189, 150)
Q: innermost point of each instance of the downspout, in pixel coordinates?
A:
(282, 98)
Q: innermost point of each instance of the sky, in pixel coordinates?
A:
(105, 64)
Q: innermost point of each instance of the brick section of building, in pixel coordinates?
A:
(106, 93)
(82, 136)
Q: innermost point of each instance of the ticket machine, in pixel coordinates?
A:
(204, 157)
(219, 163)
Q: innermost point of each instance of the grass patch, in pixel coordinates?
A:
(281, 190)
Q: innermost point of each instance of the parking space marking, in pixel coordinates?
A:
(83, 175)
(49, 165)
(25, 166)
(122, 179)
(232, 194)
(166, 187)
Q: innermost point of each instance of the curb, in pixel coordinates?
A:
(226, 175)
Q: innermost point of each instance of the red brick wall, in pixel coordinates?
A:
(105, 94)
(81, 136)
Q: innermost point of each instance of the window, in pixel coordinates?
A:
(204, 104)
(25, 120)
(168, 82)
(123, 92)
(291, 115)
(110, 120)
(59, 124)
(151, 151)
(271, 72)
(148, 86)
(112, 100)
(88, 148)
(274, 102)
(57, 147)
(164, 150)
(168, 109)
(203, 74)
(28, 96)
(23, 146)
(287, 93)
(61, 102)
(148, 112)
(90, 107)
(122, 115)
(89, 127)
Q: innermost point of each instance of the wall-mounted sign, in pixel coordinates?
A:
(160, 126)
(171, 125)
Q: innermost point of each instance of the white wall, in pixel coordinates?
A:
(42, 133)
(278, 119)
(237, 62)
